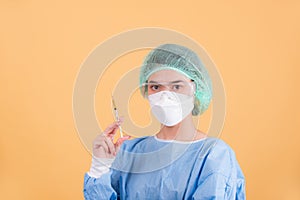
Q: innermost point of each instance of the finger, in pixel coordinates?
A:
(110, 127)
(100, 145)
(99, 139)
(120, 142)
(111, 130)
(111, 146)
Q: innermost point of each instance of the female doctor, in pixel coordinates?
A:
(179, 161)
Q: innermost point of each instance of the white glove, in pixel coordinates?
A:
(100, 166)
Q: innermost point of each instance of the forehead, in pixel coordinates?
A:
(167, 76)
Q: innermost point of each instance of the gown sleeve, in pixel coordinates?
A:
(101, 182)
(100, 188)
(104, 185)
(221, 177)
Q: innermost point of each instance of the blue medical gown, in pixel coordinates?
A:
(149, 168)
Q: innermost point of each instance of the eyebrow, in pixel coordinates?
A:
(177, 81)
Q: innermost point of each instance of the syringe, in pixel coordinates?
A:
(116, 115)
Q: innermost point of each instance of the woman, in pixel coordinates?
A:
(179, 162)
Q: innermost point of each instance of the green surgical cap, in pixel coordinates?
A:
(185, 61)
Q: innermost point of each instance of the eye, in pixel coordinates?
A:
(177, 87)
(154, 87)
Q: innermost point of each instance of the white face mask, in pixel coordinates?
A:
(170, 108)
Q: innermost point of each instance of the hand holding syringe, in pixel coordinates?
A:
(103, 145)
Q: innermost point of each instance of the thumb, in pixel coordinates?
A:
(120, 142)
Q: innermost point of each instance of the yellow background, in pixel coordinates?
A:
(255, 45)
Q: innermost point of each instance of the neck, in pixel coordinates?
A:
(183, 131)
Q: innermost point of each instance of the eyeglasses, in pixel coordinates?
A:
(182, 87)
